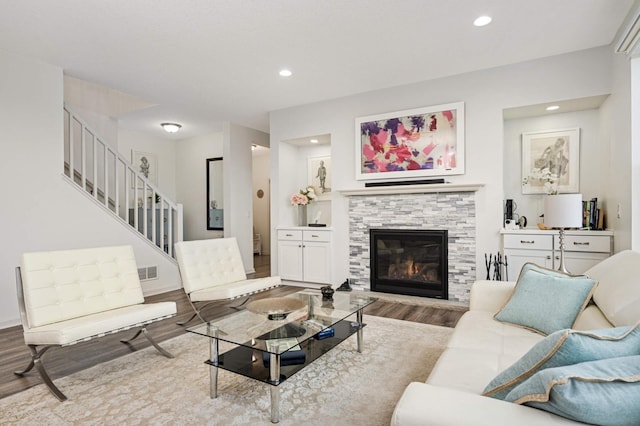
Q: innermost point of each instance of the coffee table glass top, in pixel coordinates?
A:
(258, 331)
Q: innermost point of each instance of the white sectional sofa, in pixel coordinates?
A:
(481, 347)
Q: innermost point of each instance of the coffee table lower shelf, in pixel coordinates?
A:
(247, 361)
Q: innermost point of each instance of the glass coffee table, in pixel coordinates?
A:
(277, 337)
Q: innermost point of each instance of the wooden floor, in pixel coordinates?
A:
(14, 355)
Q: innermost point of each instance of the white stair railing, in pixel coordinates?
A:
(114, 183)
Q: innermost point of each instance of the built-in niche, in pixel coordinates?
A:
(312, 157)
(586, 115)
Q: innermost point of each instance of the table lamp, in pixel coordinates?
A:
(563, 211)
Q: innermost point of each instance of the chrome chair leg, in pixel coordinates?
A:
(239, 307)
(155, 345)
(196, 313)
(143, 330)
(189, 320)
(133, 338)
(37, 362)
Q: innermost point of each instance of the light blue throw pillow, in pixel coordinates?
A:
(603, 392)
(566, 347)
(546, 301)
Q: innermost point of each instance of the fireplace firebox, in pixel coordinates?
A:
(409, 261)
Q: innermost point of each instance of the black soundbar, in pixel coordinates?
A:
(404, 182)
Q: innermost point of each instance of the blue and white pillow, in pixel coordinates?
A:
(603, 392)
(566, 347)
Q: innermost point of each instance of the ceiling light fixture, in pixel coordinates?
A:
(285, 73)
(314, 141)
(171, 127)
(481, 21)
(553, 108)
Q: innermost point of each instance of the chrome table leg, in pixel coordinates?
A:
(213, 357)
(274, 376)
(359, 321)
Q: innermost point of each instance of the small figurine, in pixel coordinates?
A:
(327, 292)
(345, 286)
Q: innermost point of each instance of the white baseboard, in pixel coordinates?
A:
(10, 323)
(150, 288)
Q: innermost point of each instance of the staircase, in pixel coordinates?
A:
(111, 181)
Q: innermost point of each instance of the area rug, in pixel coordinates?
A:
(343, 387)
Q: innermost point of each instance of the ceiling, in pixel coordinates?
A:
(202, 62)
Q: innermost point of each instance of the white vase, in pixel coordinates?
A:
(301, 212)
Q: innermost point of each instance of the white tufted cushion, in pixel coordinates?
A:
(618, 291)
(209, 263)
(66, 284)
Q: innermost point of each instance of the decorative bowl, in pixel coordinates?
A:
(275, 308)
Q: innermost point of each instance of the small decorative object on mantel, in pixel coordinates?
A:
(301, 199)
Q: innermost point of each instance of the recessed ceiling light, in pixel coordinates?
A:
(481, 21)
(553, 108)
(171, 127)
(285, 73)
(314, 141)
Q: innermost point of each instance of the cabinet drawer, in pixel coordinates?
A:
(528, 241)
(590, 243)
(324, 236)
(290, 234)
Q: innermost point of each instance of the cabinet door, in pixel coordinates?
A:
(517, 258)
(317, 262)
(577, 262)
(290, 260)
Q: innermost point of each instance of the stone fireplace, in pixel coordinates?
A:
(409, 209)
(409, 261)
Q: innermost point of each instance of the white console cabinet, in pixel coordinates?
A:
(582, 249)
(304, 254)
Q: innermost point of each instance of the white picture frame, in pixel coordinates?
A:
(421, 142)
(547, 153)
(318, 166)
(145, 163)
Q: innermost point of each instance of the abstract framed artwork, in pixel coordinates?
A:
(319, 174)
(419, 142)
(551, 161)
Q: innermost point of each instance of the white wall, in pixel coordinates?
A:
(191, 183)
(41, 210)
(485, 93)
(261, 213)
(165, 151)
(593, 170)
(635, 153)
(238, 186)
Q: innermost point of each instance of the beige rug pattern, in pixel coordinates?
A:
(343, 387)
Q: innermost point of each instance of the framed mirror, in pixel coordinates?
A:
(215, 206)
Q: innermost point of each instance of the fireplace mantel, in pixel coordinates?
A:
(413, 189)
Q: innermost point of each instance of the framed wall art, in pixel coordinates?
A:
(419, 142)
(145, 163)
(551, 161)
(320, 174)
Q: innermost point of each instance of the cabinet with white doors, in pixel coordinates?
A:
(582, 249)
(304, 254)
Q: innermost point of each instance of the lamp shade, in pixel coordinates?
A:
(563, 211)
